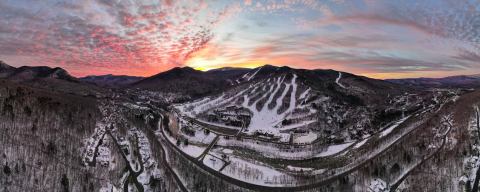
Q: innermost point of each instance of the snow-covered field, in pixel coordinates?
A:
(265, 119)
(248, 171)
(192, 150)
(213, 162)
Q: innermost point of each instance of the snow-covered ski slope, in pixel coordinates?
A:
(282, 100)
(270, 101)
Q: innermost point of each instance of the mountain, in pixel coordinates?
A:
(264, 129)
(224, 69)
(333, 104)
(44, 77)
(28, 73)
(189, 81)
(5, 70)
(461, 81)
(111, 80)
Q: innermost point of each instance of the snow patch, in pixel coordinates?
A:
(378, 185)
(307, 138)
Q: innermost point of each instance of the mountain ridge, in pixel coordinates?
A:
(459, 81)
(110, 80)
(26, 73)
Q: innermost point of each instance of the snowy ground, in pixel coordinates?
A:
(213, 162)
(308, 138)
(192, 150)
(266, 118)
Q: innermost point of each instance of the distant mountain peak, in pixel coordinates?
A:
(227, 69)
(5, 69)
(4, 65)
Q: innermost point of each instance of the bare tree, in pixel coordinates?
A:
(477, 175)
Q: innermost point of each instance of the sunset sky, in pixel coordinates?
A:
(380, 39)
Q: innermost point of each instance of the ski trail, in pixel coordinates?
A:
(270, 99)
(250, 77)
(338, 80)
(304, 94)
(293, 100)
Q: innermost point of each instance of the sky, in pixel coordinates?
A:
(378, 39)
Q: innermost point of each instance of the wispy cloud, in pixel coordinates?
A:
(146, 37)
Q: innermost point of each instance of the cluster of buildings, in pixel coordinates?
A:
(231, 116)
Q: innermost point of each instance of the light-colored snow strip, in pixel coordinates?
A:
(338, 80)
(359, 144)
(334, 149)
(255, 172)
(396, 124)
(294, 126)
(299, 169)
(253, 75)
(293, 100)
(304, 94)
(227, 151)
